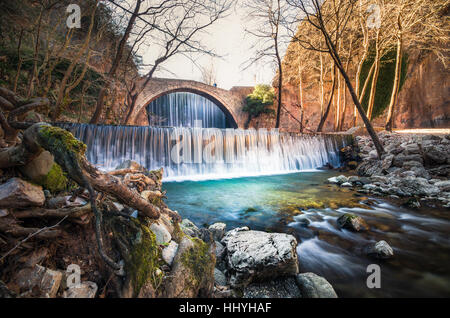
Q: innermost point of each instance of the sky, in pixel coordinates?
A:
(227, 37)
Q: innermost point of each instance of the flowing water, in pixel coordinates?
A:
(301, 204)
(266, 180)
(206, 153)
(183, 110)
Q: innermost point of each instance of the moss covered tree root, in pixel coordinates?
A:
(69, 153)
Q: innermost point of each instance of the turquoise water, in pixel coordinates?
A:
(303, 205)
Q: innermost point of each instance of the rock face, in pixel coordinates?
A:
(314, 286)
(352, 222)
(17, 193)
(380, 250)
(255, 255)
(85, 289)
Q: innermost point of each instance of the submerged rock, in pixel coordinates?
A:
(17, 193)
(352, 222)
(380, 250)
(314, 286)
(256, 255)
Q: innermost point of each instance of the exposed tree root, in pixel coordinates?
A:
(69, 153)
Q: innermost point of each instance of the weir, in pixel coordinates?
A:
(207, 153)
(183, 109)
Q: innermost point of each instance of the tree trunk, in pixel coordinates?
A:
(344, 107)
(325, 115)
(322, 97)
(396, 87)
(373, 88)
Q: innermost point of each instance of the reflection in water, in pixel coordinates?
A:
(301, 204)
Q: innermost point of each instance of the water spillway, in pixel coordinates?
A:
(183, 109)
(206, 153)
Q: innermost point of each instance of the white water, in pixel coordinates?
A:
(182, 109)
(207, 153)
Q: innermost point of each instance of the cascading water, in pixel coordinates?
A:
(207, 153)
(183, 109)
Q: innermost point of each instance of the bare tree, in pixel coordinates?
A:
(424, 25)
(64, 85)
(115, 63)
(267, 17)
(330, 18)
(178, 35)
(209, 73)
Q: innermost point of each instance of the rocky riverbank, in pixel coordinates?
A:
(51, 251)
(414, 169)
(48, 244)
(256, 264)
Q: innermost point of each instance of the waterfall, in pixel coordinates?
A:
(183, 109)
(206, 153)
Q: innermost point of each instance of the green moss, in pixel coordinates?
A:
(55, 180)
(385, 80)
(199, 260)
(178, 233)
(250, 209)
(61, 140)
(144, 260)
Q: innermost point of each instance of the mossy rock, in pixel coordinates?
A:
(192, 272)
(55, 180)
(138, 246)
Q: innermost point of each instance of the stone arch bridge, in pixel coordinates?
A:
(230, 102)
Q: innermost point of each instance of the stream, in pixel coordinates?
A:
(303, 205)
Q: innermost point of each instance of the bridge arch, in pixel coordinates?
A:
(229, 101)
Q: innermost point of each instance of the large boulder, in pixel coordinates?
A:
(16, 193)
(314, 286)
(256, 255)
